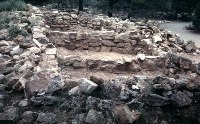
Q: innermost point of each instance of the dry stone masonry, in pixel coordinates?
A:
(90, 69)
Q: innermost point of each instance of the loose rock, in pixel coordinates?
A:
(94, 117)
(181, 99)
(125, 115)
(87, 86)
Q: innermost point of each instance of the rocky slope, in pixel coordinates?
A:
(59, 68)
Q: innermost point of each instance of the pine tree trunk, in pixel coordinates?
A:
(80, 5)
(110, 11)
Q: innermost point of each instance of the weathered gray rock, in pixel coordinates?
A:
(190, 46)
(51, 51)
(75, 104)
(25, 20)
(94, 117)
(1, 106)
(163, 83)
(48, 118)
(125, 93)
(79, 119)
(105, 49)
(135, 104)
(122, 37)
(2, 79)
(155, 29)
(16, 50)
(108, 43)
(157, 100)
(23, 103)
(28, 117)
(125, 115)
(34, 50)
(54, 85)
(87, 86)
(188, 93)
(198, 68)
(108, 35)
(97, 80)
(26, 43)
(26, 66)
(112, 88)
(36, 83)
(19, 39)
(141, 57)
(16, 83)
(4, 43)
(106, 104)
(75, 91)
(3, 34)
(10, 114)
(185, 83)
(92, 102)
(167, 93)
(180, 99)
(162, 86)
(44, 100)
(185, 63)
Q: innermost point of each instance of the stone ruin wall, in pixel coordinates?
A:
(105, 35)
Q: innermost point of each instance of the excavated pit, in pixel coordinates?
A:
(98, 49)
(88, 48)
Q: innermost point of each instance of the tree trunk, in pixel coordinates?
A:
(110, 9)
(129, 9)
(80, 5)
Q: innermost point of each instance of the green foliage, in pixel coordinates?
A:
(4, 21)
(10, 5)
(14, 31)
(196, 21)
(184, 6)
